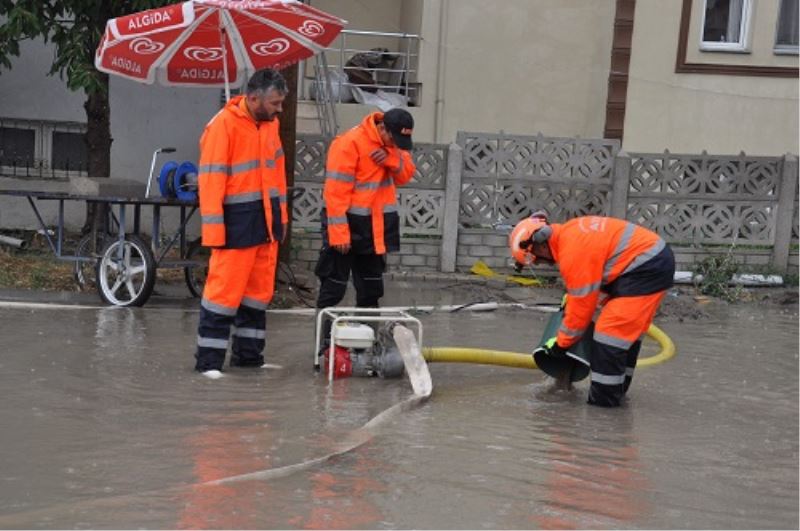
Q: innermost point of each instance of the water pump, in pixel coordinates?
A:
(361, 351)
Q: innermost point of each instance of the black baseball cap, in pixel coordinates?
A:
(400, 124)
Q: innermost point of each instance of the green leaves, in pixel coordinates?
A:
(73, 26)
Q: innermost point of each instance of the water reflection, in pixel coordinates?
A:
(593, 481)
(226, 446)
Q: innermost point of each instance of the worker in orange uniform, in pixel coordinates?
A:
(242, 188)
(620, 266)
(360, 221)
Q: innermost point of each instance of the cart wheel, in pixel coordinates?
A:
(196, 274)
(84, 272)
(126, 275)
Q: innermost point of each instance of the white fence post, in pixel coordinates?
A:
(620, 184)
(783, 216)
(452, 200)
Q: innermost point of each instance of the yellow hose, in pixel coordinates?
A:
(525, 361)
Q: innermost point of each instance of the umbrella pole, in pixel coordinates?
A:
(225, 66)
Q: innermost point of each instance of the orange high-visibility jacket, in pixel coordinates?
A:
(591, 253)
(360, 196)
(242, 179)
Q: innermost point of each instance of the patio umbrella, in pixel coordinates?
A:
(213, 43)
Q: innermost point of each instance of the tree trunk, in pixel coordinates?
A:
(288, 132)
(98, 144)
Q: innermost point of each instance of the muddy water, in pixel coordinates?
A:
(104, 425)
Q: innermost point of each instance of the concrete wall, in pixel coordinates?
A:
(688, 113)
(416, 254)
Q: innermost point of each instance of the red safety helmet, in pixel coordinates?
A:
(530, 230)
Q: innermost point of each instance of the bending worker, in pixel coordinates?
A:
(360, 221)
(622, 267)
(242, 185)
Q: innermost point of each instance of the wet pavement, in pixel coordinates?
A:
(105, 425)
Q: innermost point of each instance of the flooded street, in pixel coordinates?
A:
(105, 425)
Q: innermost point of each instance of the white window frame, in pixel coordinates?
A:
(783, 49)
(43, 148)
(741, 46)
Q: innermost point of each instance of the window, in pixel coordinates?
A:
(42, 149)
(17, 146)
(725, 25)
(786, 33)
(69, 151)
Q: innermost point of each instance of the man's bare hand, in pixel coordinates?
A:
(379, 155)
(343, 248)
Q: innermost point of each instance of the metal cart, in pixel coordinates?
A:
(125, 263)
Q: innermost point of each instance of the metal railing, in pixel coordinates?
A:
(393, 67)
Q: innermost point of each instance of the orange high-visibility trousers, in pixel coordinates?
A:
(616, 341)
(239, 287)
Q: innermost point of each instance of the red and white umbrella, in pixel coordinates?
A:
(213, 43)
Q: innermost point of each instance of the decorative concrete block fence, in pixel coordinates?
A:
(465, 197)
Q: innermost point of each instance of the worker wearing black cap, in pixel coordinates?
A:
(360, 221)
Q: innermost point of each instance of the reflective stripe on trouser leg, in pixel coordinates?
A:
(368, 279)
(607, 365)
(212, 339)
(228, 272)
(249, 337)
(249, 334)
(621, 324)
(630, 363)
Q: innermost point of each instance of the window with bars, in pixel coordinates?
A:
(42, 149)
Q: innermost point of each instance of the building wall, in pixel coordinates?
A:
(688, 113)
(526, 67)
(516, 65)
(143, 118)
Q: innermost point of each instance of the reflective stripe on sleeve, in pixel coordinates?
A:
(338, 176)
(571, 332)
(215, 168)
(584, 290)
(337, 220)
(229, 170)
(213, 219)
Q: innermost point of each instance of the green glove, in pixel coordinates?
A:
(551, 348)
